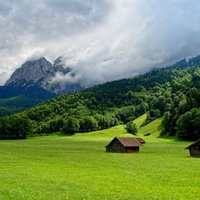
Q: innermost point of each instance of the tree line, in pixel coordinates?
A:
(15, 127)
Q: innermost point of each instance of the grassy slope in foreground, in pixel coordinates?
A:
(78, 167)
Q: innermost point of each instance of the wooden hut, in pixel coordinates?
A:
(194, 149)
(141, 140)
(147, 134)
(124, 145)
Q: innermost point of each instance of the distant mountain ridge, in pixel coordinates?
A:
(40, 73)
(32, 84)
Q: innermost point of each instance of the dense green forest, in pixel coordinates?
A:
(172, 92)
(18, 98)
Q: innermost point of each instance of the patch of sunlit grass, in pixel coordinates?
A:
(154, 128)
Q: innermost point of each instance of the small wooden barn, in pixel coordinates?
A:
(147, 134)
(124, 145)
(194, 149)
(141, 140)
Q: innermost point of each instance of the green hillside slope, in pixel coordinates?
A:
(16, 99)
(172, 92)
(154, 128)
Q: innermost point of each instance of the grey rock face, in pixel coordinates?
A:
(59, 67)
(40, 73)
(32, 72)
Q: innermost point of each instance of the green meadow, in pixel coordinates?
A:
(77, 167)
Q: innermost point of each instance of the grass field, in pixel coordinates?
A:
(77, 167)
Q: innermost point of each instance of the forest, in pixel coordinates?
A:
(16, 98)
(172, 92)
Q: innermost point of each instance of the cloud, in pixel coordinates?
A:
(100, 40)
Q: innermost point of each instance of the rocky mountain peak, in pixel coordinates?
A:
(59, 66)
(41, 72)
(31, 72)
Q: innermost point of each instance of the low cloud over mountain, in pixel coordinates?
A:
(99, 40)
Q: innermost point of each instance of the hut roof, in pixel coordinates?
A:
(192, 144)
(127, 141)
(141, 140)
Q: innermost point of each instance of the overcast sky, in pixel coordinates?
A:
(101, 40)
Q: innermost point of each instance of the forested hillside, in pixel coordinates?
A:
(15, 99)
(172, 92)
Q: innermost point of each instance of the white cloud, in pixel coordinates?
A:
(101, 40)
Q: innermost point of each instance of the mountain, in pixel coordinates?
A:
(171, 93)
(41, 73)
(33, 83)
